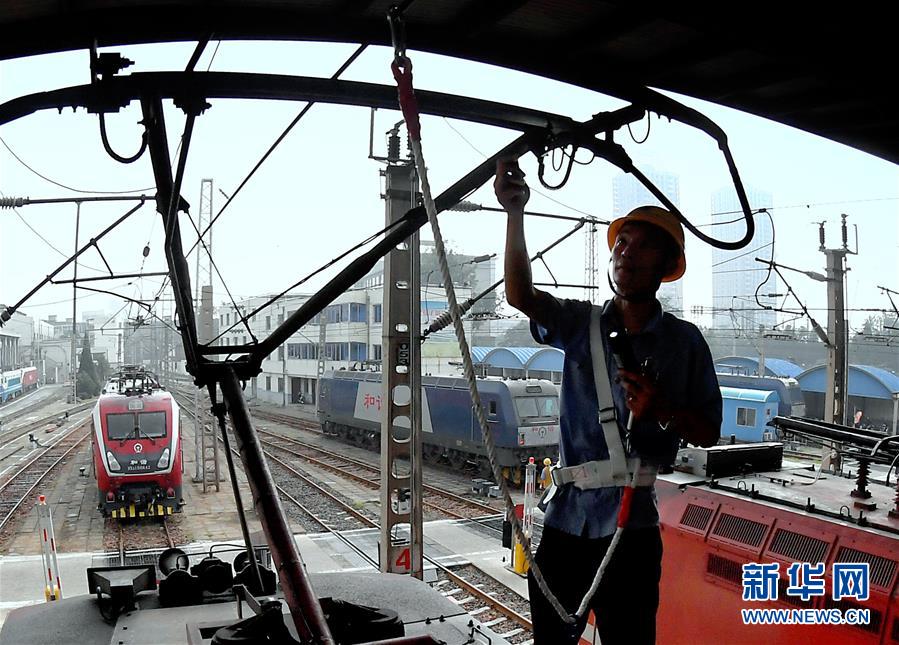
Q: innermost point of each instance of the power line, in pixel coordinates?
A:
(539, 192)
(774, 208)
(61, 185)
(737, 257)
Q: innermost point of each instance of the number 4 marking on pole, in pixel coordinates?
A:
(405, 560)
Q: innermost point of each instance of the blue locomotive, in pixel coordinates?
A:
(523, 415)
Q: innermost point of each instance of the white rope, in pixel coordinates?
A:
(468, 367)
(581, 610)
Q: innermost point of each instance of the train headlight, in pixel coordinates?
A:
(111, 460)
(163, 460)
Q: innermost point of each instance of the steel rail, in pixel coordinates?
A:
(22, 496)
(357, 462)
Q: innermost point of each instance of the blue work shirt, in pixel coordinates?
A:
(681, 363)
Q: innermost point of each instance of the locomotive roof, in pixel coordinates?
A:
(748, 394)
(448, 381)
(156, 396)
(814, 70)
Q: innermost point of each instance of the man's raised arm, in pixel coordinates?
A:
(513, 193)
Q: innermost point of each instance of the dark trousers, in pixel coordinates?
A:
(628, 596)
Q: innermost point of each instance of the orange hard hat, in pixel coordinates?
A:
(664, 220)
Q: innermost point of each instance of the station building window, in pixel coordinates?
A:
(376, 352)
(376, 313)
(280, 384)
(305, 351)
(357, 312)
(268, 323)
(357, 352)
(746, 417)
(268, 383)
(337, 351)
(281, 354)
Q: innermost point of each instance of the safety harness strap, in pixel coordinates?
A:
(608, 418)
(598, 474)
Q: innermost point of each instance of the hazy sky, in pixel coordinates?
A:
(319, 193)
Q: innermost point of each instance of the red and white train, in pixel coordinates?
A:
(136, 443)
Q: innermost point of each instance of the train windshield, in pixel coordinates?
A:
(128, 425)
(152, 424)
(531, 407)
(120, 426)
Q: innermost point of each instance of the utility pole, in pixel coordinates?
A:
(75, 305)
(322, 322)
(401, 522)
(835, 395)
(590, 269)
(283, 350)
(204, 328)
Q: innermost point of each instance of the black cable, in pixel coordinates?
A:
(648, 128)
(74, 190)
(541, 169)
(770, 263)
(112, 153)
(544, 195)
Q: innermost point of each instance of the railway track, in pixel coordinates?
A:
(442, 501)
(133, 537)
(489, 601)
(6, 411)
(320, 507)
(12, 432)
(19, 486)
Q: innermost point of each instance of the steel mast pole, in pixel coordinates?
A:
(75, 305)
(401, 522)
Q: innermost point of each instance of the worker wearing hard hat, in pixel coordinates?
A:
(669, 389)
(546, 474)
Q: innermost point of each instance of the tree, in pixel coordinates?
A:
(518, 336)
(87, 383)
(873, 325)
(102, 368)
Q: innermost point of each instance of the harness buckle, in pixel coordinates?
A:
(607, 414)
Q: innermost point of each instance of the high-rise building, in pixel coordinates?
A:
(736, 274)
(628, 194)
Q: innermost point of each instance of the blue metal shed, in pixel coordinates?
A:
(747, 365)
(873, 391)
(520, 361)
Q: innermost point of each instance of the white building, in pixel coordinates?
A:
(628, 194)
(350, 339)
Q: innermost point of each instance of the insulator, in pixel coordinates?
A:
(845, 235)
(393, 146)
(466, 207)
(12, 202)
(444, 319)
(821, 234)
(440, 322)
(861, 484)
